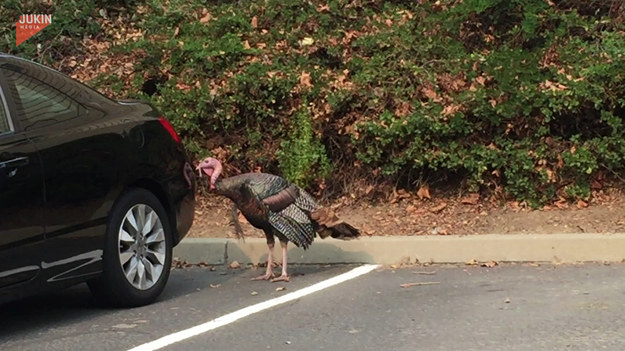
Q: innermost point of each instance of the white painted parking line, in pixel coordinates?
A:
(244, 312)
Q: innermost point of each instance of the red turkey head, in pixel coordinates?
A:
(212, 168)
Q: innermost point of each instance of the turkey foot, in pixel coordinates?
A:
(267, 276)
(282, 278)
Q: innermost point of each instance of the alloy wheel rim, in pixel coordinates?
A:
(142, 247)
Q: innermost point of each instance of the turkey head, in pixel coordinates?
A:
(212, 168)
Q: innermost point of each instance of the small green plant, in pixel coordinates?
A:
(302, 158)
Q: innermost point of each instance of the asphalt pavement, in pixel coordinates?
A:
(443, 307)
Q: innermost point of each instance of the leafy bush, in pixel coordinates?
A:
(521, 99)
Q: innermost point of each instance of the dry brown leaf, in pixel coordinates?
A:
(471, 199)
(438, 208)
(255, 22)
(560, 162)
(562, 204)
(490, 264)
(403, 109)
(281, 45)
(582, 204)
(307, 41)
(472, 262)
(349, 35)
(451, 109)
(399, 195)
(304, 79)
(323, 8)
(596, 185)
(424, 192)
(553, 86)
(205, 18)
(403, 194)
(235, 265)
(183, 86)
(430, 93)
(449, 82)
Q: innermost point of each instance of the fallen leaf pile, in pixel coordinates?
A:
(428, 212)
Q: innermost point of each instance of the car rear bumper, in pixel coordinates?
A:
(186, 207)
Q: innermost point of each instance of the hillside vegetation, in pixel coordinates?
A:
(512, 99)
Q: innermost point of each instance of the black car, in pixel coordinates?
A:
(91, 189)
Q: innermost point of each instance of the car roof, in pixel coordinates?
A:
(93, 94)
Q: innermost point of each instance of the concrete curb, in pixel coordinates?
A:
(562, 248)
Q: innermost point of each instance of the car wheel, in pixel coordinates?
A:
(138, 252)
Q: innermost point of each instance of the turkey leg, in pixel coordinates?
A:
(284, 277)
(269, 273)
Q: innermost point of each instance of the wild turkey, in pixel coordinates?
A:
(278, 207)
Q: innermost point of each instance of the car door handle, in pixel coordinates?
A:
(16, 162)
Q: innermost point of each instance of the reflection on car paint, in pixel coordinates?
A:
(94, 256)
(18, 270)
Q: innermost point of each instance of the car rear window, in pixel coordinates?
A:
(37, 103)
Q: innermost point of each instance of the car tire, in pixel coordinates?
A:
(137, 254)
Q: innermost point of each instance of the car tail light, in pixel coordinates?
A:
(169, 129)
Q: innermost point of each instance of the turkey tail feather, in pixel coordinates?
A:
(328, 224)
(234, 220)
(344, 231)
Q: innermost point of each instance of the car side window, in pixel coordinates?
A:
(37, 103)
(5, 125)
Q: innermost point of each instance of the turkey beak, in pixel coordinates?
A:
(199, 170)
(208, 171)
